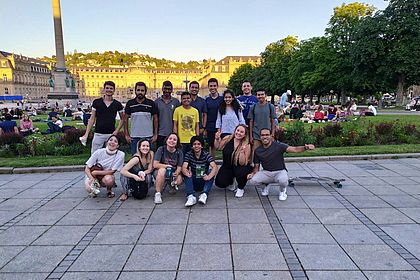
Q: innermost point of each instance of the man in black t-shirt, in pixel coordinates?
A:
(104, 111)
(270, 156)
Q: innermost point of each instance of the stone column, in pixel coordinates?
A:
(62, 91)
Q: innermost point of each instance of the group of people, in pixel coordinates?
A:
(242, 128)
(318, 113)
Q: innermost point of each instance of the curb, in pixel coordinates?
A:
(77, 168)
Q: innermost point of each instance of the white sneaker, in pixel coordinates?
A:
(283, 195)
(202, 198)
(95, 188)
(232, 188)
(83, 141)
(239, 193)
(265, 191)
(191, 201)
(158, 198)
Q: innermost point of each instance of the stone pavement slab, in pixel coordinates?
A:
(368, 229)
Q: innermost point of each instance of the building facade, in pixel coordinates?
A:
(23, 77)
(30, 78)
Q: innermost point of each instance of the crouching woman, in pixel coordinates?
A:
(101, 166)
(137, 173)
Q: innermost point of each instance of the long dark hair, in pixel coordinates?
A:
(235, 104)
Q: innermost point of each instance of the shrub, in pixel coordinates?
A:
(333, 130)
(297, 136)
(71, 136)
(11, 138)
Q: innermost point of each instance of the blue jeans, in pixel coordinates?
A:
(193, 184)
(52, 127)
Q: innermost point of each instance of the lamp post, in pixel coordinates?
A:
(186, 81)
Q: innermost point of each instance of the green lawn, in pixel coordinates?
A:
(80, 159)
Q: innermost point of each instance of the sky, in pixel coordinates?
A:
(179, 30)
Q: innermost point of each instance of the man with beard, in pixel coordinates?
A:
(200, 104)
(166, 106)
(144, 118)
(270, 156)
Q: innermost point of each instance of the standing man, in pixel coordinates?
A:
(247, 99)
(200, 104)
(213, 101)
(104, 111)
(261, 115)
(270, 156)
(165, 106)
(144, 118)
(283, 99)
(186, 122)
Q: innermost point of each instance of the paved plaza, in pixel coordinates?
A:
(368, 229)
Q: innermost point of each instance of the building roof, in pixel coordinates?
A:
(243, 58)
(29, 59)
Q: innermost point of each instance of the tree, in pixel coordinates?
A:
(244, 72)
(276, 58)
(340, 32)
(387, 48)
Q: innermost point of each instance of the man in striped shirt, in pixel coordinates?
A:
(199, 169)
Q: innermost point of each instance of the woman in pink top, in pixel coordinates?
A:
(25, 126)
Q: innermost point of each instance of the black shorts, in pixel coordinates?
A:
(210, 138)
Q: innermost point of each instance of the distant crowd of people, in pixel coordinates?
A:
(174, 142)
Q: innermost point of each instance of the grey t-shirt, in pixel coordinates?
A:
(261, 115)
(164, 156)
(165, 113)
(271, 158)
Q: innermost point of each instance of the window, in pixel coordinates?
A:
(5, 77)
(6, 91)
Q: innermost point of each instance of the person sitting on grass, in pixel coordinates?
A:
(199, 169)
(101, 167)
(136, 175)
(319, 115)
(55, 125)
(26, 127)
(8, 126)
(371, 110)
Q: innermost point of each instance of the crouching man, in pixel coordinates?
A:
(270, 156)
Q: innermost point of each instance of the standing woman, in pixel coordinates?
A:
(236, 159)
(229, 115)
(137, 173)
(102, 165)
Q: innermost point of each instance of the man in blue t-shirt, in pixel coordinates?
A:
(213, 101)
(8, 126)
(247, 99)
(270, 156)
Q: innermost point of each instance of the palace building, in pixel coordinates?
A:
(28, 77)
(23, 77)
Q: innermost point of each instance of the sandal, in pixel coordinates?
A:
(111, 194)
(123, 197)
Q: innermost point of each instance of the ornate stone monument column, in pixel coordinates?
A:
(62, 84)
